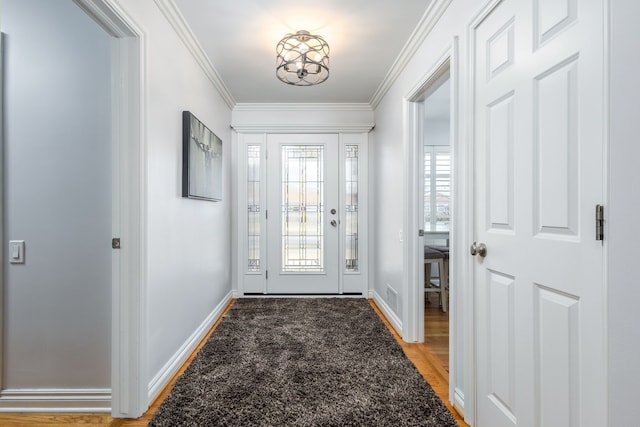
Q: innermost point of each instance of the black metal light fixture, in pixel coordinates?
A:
(302, 59)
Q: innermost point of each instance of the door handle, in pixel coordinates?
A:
(333, 222)
(478, 249)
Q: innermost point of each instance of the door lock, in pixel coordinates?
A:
(333, 222)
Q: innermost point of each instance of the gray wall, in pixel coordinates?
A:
(57, 306)
(436, 115)
(436, 132)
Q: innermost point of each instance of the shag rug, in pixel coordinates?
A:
(302, 362)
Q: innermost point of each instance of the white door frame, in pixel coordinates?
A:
(129, 390)
(413, 280)
(414, 130)
(2, 172)
(354, 133)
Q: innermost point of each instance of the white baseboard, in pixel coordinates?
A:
(162, 378)
(55, 400)
(302, 296)
(391, 316)
(458, 400)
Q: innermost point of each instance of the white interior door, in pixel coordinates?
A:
(539, 293)
(303, 214)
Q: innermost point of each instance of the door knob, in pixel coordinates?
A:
(478, 249)
(333, 222)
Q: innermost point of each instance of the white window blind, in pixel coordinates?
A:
(437, 188)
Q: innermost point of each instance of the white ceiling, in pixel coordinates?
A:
(365, 38)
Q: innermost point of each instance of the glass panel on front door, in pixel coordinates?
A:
(302, 208)
(253, 208)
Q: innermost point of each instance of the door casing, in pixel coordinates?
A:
(253, 284)
(460, 267)
(129, 394)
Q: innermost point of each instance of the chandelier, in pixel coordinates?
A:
(302, 59)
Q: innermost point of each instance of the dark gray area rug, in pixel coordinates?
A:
(302, 362)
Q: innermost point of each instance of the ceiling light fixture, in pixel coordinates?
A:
(302, 59)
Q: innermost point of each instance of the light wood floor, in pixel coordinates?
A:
(430, 368)
(436, 333)
(428, 364)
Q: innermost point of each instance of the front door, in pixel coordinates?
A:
(538, 94)
(303, 214)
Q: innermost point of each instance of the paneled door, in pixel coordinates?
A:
(303, 214)
(538, 99)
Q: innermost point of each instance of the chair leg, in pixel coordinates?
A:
(427, 274)
(427, 279)
(441, 285)
(444, 284)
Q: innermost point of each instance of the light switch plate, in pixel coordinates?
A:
(16, 251)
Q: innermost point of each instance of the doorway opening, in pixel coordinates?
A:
(436, 206)
(436, 215)
(129, 386)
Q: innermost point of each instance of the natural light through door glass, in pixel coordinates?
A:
(253, 208)
(302, 208)
(351, 207)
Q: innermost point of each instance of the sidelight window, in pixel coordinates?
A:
(253, 208)
(351, 207)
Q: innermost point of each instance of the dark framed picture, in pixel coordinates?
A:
(201, 160)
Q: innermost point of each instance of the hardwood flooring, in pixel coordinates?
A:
(428, 366)
(436, 334)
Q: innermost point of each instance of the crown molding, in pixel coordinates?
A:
(179, 24)
(303, 107)
(304, 128)
(433, 13)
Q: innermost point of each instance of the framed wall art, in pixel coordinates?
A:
(201, 160)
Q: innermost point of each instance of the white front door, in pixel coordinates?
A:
(538, 99)
(303, 214)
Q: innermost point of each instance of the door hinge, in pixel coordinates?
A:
(266, 274)
(599, 222)
(266, 214)
(115, 243)
(421, 233)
